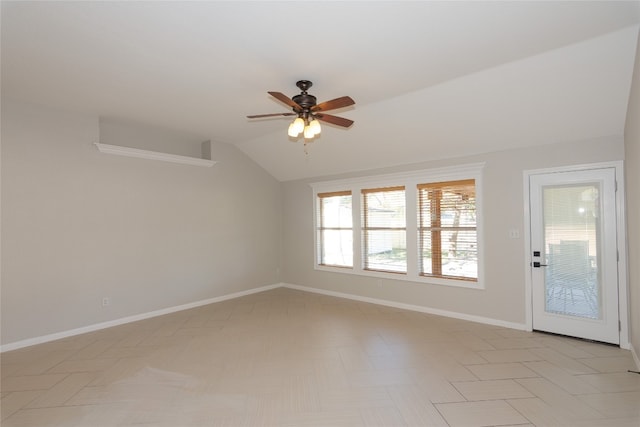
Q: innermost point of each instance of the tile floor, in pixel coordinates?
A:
(290, 358)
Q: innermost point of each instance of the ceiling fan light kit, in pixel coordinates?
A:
(296, 127)
(308, 112)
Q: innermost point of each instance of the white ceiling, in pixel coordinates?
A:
(430, 79)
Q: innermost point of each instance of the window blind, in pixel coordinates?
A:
(384, 229)
(335, 229)
(447, 232)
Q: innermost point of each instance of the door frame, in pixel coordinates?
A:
(621, 231)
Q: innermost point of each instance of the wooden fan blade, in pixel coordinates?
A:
(335, 120)
(257, 116)
(285, 99)
(344, 101)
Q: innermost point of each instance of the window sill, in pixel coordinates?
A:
(405, 277)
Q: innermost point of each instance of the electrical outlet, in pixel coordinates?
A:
(514, 233)
(106, 301)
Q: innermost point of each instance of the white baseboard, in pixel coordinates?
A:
(97, 326)
(422, 309)
(636, 356)
(411, 307)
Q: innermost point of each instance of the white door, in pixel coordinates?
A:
(574, 272)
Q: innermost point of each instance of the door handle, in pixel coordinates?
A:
(536, 264)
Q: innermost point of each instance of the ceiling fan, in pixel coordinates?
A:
(308, 112)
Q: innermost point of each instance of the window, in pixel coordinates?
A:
(447, 230)
(422, 226)
(384, 229)
(335, 229)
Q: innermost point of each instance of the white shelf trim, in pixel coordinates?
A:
(152, 155)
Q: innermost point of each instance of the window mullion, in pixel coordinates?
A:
(411, 204)
(320, 233)
(436, 235)
(358, 241)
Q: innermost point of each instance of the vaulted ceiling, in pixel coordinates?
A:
(430, 79)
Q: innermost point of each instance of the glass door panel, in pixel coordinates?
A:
(571, 239)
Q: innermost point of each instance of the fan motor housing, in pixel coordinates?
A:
(305, 100)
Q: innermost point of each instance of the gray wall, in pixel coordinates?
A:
(78, 225)
(632, 170)
(505, 264)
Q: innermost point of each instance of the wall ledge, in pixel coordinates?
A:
(152, 155)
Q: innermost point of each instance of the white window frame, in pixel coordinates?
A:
(410, 181)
